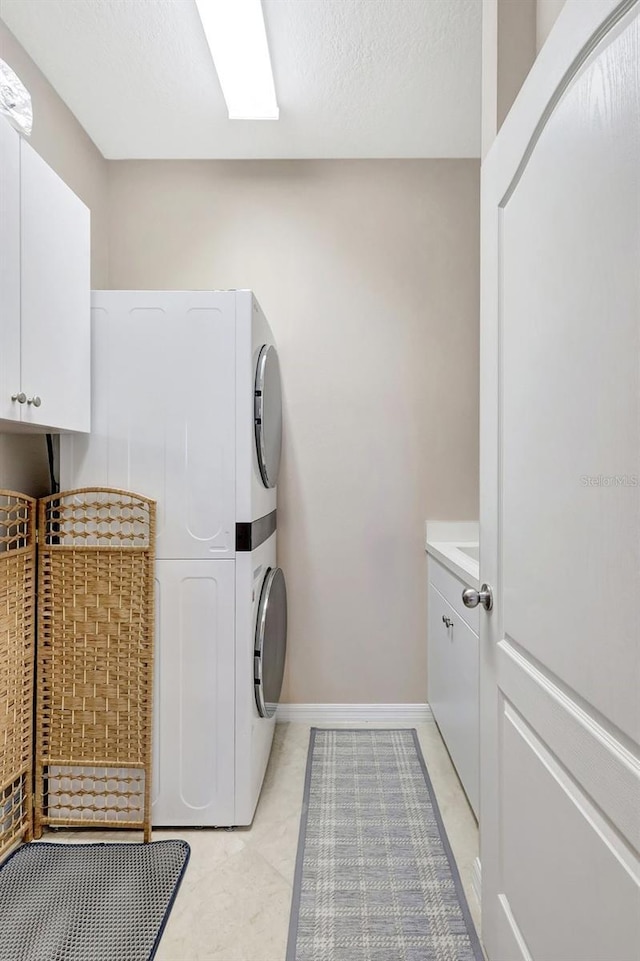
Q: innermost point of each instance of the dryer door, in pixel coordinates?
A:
(268, 415)
(270, 642)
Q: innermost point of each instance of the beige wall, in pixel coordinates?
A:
(63, 143)
(368, 273)
(513, 32)
(508, 52)
(546, 15)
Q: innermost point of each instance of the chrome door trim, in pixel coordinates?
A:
(266, 708)
(268, 471)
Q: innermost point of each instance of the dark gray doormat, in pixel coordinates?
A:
(375, 877)
(88, 902)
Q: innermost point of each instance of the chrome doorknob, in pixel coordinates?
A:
(471, 597)
(36, 401)
(21, 397)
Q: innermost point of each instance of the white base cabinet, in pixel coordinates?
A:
(453, 677)
(45, 367)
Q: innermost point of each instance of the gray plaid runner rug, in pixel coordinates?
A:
(375, 877)
(88, 902)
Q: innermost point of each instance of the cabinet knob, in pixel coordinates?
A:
(36, 401)
(447, 621)
(21, 398)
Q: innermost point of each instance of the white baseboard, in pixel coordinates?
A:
(476, 879)
(355, 713)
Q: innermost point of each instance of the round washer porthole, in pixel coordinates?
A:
(270, 642)
(268, 415)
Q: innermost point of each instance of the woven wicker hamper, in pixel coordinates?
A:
(94, 663)
(17, 625)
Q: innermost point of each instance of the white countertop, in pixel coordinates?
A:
(449, 542)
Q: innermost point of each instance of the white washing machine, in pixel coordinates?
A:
(261, 632)
(187, 410)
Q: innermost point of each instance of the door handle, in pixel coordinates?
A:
(21, 397)
(36, 401)
(484, 597)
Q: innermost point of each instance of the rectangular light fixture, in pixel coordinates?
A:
(237, 39)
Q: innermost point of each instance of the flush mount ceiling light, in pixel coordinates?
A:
(237, 39)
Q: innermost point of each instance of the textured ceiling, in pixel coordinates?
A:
(354, 78)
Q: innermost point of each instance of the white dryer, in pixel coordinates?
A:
(259, 413)
(187, 410)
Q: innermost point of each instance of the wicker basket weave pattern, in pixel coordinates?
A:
(95, 659)
(17, 624)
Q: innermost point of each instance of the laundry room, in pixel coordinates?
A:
(362, 252)
(240, 465)
(368, 273)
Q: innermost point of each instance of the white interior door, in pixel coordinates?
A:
(560, 502)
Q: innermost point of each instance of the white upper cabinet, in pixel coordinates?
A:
(55, 297)
(45, 373)
(9, 270)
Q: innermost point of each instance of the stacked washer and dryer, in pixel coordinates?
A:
(187, 410)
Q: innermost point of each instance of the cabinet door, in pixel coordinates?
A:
(55, 294)
(453, 689)
(9, 271)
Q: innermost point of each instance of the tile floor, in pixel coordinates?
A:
(235, 897)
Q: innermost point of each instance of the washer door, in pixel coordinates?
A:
(270, 642)
(268, 415)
